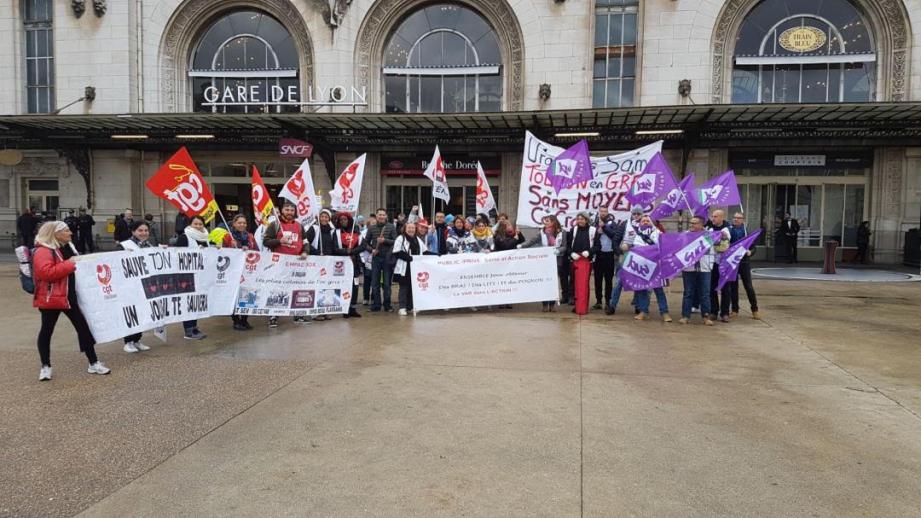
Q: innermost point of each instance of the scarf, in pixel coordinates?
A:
(240, 237)
(460, 233)
(141, 244)
(195, 236)
(481, 235)
(551, 236)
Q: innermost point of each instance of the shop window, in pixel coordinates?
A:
(789, 51)
(245, 62)
(614, 70)
(443, 58)
(39, 36)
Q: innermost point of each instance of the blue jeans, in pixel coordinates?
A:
(378, 269)
(696, 290)
(618, 286)
(642, 300)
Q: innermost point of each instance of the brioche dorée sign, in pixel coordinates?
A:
(294, 148)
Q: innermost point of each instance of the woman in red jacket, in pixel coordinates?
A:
(240, 237)
(55, 293)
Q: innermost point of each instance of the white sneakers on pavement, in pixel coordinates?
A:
(98, 368)
(130, 348)
(45, 373)
(141, 347)
(402, 312)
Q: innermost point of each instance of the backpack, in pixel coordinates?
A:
(24, 255)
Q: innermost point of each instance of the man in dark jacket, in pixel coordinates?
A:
(607, 242)
(790, 230)
(71, 221)
(719, 301)
(441, 233)
(615, 232)
(85, 224)
(379, 242)
(26, 224)
(123, 226)
(738, 232)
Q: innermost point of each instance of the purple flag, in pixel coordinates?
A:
(640, 270)
(678, 251)
(655, 181)
(570, 167)
(730, 259)
(677, 199)
(721, 191)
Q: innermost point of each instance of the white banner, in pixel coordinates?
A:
(122, 293)
(278, 284)
(614, 175)
(466, 280)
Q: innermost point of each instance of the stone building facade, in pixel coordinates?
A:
(141, 56)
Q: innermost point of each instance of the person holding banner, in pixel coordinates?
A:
(195, 235)
(240, 237)
(605, 264)
(719, 299)
(440, 231)
(348, 244)
(482, 236)
(648, 234)
(286, 236)
(140, 238)
(407, 245)
(696, 279)
(506, 237)
(459, 239)
(53, 270)
(738, 233)
(580, 247)
(321, 235)
(552, 235)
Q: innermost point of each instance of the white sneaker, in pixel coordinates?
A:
(415, 312)
(98, 368)
(141, 347)
(44, 374)
(130, 348)
(402, 312)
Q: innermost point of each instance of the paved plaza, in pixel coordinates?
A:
(813, 411)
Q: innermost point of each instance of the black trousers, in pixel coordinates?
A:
(84, 335)
(745, 274)
(84, 243)
(133, 338)
(564, 269)
(406, 291)
(718, 300)
(603, 268)
(791, 249)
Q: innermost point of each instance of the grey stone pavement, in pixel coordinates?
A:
(813, 411)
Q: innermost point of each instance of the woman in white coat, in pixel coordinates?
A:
(405, 247)
(552, 235)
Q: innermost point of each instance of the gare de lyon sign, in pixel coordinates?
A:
(255, 94)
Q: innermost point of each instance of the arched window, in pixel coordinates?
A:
(246, 62)
(443, 58)
(790, 51)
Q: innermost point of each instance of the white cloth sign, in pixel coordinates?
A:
(614, 175)
(465, 280)
(345, 194)
(278, 284)
(122, 293)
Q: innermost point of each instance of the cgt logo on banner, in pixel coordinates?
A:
(613, 177)
(468, 280)
(288, 285)
(155, 287)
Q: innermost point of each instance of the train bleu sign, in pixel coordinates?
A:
(255, 87)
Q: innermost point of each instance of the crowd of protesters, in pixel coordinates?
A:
(382, 250)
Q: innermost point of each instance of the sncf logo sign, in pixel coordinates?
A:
(294, 148)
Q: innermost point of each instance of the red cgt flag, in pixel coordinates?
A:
(262, 202)
(179, 182)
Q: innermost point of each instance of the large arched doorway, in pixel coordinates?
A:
(274, 27)
(499, 77)
(861, 47)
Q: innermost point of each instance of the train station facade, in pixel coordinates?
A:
(815, 105)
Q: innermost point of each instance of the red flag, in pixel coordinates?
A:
(179, 182)
(262, 202)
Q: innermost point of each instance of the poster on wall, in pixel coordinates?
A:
(469, 280)
(613, 177)
(122, 293)
(282, 285)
